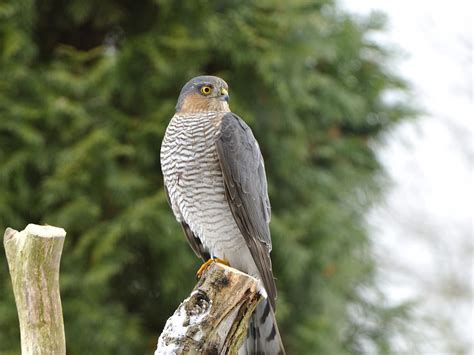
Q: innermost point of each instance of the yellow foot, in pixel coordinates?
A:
(209, 262)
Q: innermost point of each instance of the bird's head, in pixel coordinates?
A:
(204, 93)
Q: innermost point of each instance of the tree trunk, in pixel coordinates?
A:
(33, 257)
(214, 318)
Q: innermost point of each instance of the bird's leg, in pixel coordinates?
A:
(209, 262)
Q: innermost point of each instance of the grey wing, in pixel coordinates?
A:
(193, 241)
(246, 189)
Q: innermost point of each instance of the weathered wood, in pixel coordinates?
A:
(33, 257)
(214, 318)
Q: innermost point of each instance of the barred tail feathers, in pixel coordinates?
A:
(263, 336)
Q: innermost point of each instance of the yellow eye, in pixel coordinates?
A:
(206, 90)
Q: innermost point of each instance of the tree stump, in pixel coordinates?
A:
(33, 257)
(214, 318)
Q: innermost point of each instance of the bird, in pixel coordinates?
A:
(215, 182)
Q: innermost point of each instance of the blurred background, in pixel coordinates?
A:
(423, 230)
(363, 111)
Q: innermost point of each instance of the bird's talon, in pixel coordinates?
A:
(209, 262)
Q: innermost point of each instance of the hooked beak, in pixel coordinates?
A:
(224, 95)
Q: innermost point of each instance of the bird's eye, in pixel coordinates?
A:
(206, 90)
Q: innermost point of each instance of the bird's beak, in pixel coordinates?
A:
(224, 95)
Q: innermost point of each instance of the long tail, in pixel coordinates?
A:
(263, 336)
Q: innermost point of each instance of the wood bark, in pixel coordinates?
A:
(33, 257)
(214, 318)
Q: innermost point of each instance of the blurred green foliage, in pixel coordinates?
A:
(86, 91)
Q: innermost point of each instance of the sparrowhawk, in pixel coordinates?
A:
(214, 178)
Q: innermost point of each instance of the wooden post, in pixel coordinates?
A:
(33, 257)
(214, 318)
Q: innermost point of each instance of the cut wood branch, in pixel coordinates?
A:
(33, 257)
(214, 318)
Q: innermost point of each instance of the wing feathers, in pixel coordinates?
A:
(246, 189)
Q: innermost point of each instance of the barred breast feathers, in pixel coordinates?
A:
(188, 159)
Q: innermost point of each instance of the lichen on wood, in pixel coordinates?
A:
(33, 257)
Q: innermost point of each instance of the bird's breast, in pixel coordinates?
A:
(188, 155)
(194, 180)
